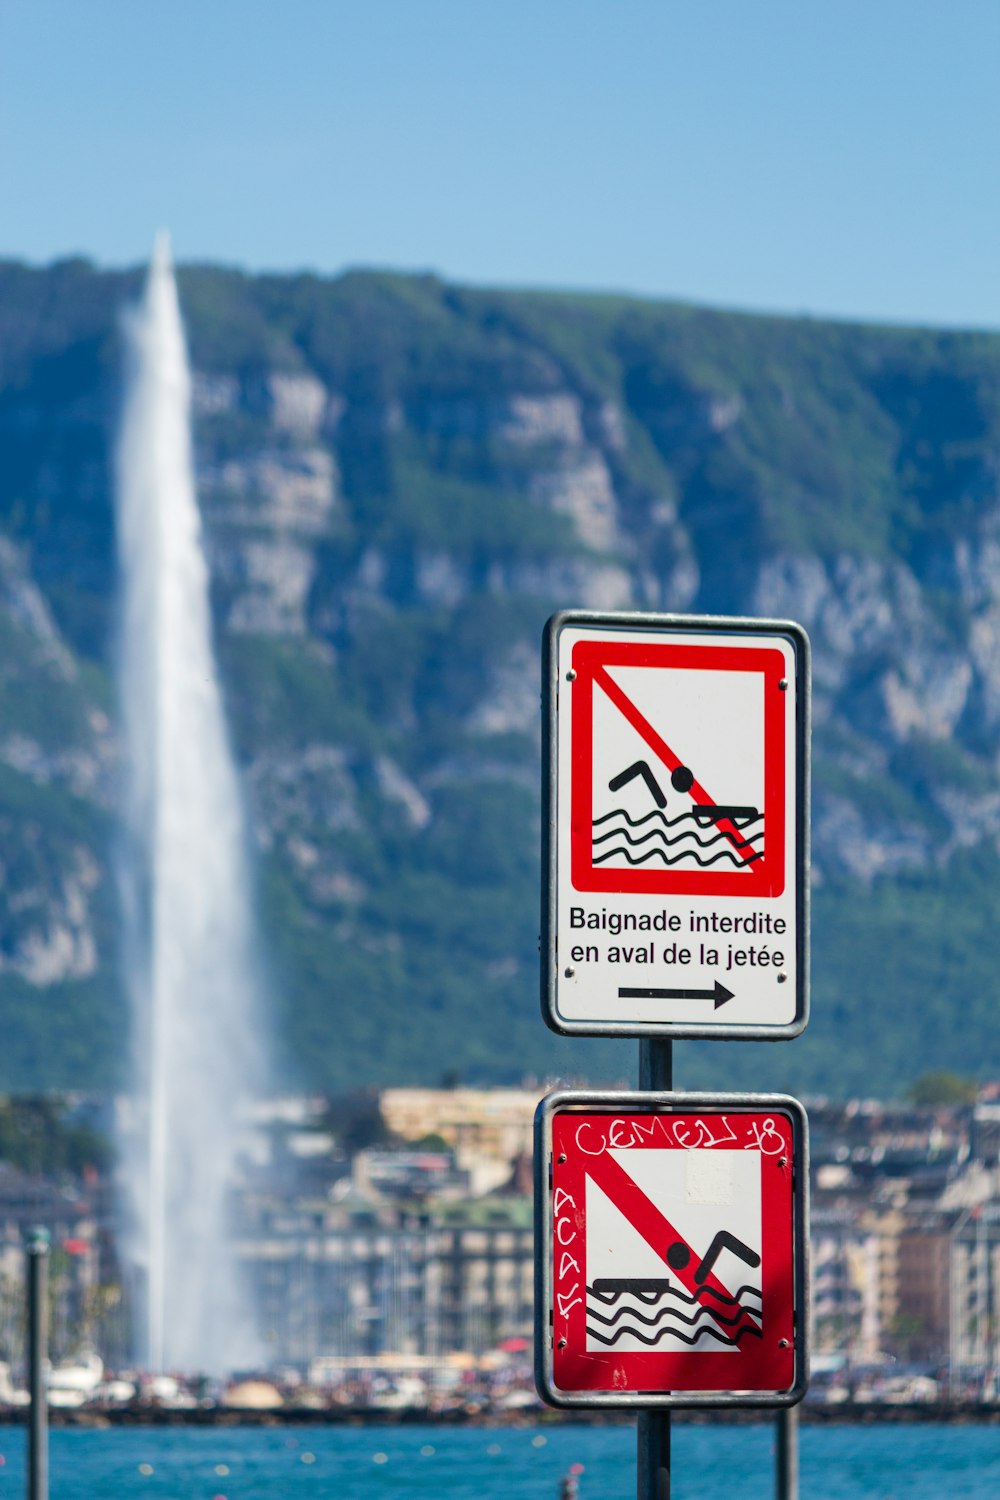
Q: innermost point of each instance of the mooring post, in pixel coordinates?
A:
(787, 1454)
(656, 1073)
(37, 1249)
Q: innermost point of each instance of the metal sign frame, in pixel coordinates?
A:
(549, 1241)
(635, 627)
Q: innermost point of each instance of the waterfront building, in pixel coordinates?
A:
(487, 1128)
(844, 1303)
(974, 1297)
(68, 1213)
(357, 1279)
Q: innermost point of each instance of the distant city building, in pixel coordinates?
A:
(397, 1229)
(975, 1294)
(489, 1128)
(352, 1278)
(844, 1304)
(68, 1213)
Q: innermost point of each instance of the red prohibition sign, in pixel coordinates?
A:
(719, 1313)
(754, 873)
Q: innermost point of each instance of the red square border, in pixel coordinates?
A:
(766, 877)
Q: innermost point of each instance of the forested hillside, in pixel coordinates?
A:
(400, 480)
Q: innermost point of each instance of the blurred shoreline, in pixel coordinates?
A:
(862, 1413)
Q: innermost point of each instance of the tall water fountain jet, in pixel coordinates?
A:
(190, 961)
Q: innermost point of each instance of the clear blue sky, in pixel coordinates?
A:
(822, 156)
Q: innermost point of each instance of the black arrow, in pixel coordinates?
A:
(719, 994)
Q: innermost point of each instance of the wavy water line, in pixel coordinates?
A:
(671, 1312)
(703, 1332)
(650, 1295)
(685, 817)
(689, 833)
(724, 854)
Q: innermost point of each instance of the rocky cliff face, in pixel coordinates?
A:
(399, 482)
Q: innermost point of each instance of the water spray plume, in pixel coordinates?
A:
(190, 961)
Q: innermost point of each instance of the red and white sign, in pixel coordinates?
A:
(673, 1245)
(677, 773)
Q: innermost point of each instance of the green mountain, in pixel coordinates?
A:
(400, 480)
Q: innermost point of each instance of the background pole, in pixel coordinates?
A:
(787, 1454)
(656, 1073)
(37, 1247)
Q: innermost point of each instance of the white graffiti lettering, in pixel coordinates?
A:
(619, 1134)
(765, 1139)
(566, 1300)
(559, 1231)
(703, 1136)
(587, 1149)
(560, 1201)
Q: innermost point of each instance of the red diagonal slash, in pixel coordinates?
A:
(654, 1226)
(662, 750)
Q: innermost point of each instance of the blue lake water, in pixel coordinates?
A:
(721, 1462)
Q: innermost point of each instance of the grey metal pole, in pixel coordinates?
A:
(656, 1065)
(787, 1454)
(656, 1073)
(37, 1247)
(653, 1454)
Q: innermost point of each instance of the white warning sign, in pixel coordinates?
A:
(676, 777)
